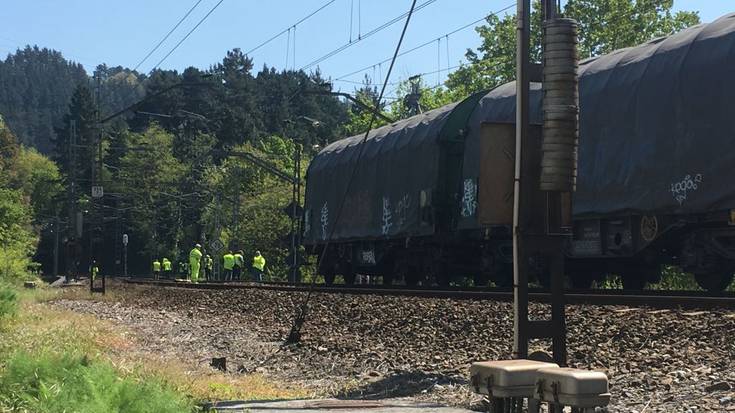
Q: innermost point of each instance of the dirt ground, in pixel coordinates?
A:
(362, 346)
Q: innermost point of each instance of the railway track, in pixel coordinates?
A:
(655, 299)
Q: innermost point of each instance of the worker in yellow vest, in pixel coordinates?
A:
(239, 265)
(156, 269)
(93, 270)
(228, 263)
(258, 266)
(167, 267)
(195, 259)
(208, 267)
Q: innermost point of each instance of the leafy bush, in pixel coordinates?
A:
(49, 383)
(673, 278)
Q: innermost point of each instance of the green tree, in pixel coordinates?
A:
(247, 206)
(35, 87)
(605, 26)
(360, 117)
(78, 135)
(30, 185)
(17, 236)
(149, 180)
(39, 180)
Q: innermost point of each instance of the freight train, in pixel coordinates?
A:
(427, 199)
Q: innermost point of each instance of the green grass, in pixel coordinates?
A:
(8, 302)
(47, 353)
(62, 383)
(45, 364)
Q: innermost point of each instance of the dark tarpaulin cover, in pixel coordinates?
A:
(657, 125)
(398, 162)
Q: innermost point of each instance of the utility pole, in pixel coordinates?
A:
(295, 221)
(236, 204)
(72, 221)
(57, 228)
(98, 219)
(125, 254)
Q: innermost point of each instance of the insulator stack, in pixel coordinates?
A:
(560, 106)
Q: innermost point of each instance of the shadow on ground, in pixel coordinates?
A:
(403, 384)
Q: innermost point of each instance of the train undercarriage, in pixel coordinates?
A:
(636, 248)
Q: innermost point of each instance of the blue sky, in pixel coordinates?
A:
(123, 32)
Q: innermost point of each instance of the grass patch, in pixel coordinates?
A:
(53, 383)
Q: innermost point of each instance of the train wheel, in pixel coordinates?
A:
(349, 277)
(503, 276)
(480, 279)
(633, 280)
(714, 281)
(580, 281)
(411, 278)
(544, 278)
(442, 274)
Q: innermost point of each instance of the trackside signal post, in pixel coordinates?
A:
(544, 177)
(549, 183)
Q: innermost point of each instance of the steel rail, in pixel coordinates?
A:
(652, 299)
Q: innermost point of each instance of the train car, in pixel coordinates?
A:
(427, 198)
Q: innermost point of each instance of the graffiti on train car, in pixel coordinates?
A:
(680, 190)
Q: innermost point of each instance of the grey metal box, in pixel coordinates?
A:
(572, 387)
(506, 378)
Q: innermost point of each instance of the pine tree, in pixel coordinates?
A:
(76, 141)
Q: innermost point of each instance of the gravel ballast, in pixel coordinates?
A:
(376, 346)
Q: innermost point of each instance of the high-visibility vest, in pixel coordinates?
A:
(259, 262)
(194, 256)
(209, 262)
(166, 265)
(239, 260)
(156, 266)
(228, 261)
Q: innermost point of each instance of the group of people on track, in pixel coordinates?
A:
(202, 266)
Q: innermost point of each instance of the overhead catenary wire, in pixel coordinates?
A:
(422, 45)
(279, 34)
(176, 26)
(295, 333)
(365, 36)
(398, 82)
(188, 34)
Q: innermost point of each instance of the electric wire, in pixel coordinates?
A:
(422, 45)
(277, 35)
(363, 37)
(187, 34)
(167, 35)
(444, 69)
(295, 332)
